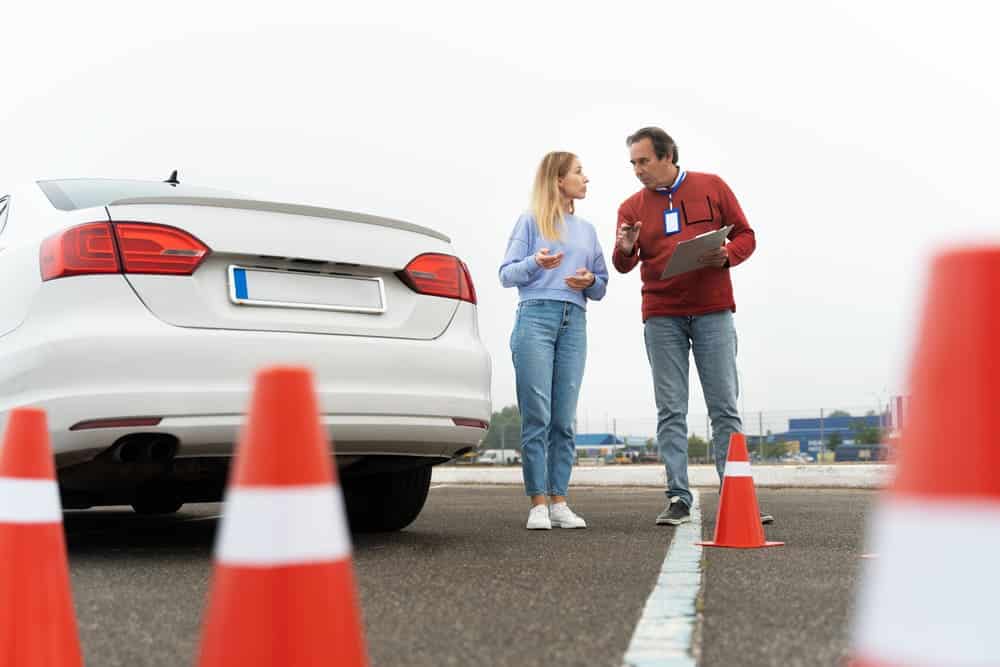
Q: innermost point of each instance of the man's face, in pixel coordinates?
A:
(650, 170)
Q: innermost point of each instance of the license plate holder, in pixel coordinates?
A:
(278, 288)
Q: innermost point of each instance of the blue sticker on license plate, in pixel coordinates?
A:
(240, 282)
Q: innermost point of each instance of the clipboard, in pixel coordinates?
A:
(686, 254)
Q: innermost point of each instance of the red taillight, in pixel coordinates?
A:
(158, 249)
(471, 298)
(121, 247)
(80, 250)
(439, 275)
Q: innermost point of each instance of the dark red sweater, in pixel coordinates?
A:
(705, 203)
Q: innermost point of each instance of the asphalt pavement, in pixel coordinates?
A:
(467, 585)
(788, 605)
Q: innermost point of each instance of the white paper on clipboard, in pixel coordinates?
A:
(686, 254)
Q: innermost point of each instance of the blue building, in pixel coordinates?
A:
(592, 444)
(811, 433)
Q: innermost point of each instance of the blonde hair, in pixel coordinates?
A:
(546, 201)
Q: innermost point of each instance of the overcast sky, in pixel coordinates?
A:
(858, 136)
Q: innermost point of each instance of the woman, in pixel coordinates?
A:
(555, 261)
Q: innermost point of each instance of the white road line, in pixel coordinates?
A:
(441, 486)
(664, 635)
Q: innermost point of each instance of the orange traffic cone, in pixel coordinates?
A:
(737, 523)
(930, 597)
(37, 622)
(283, 587)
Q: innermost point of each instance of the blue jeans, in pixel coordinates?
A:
(549, 348)
(669, 341)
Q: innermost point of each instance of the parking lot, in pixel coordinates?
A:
(467, 585)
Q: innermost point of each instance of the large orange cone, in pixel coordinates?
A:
(931, 596)
(737, 523)
(37, 622)
(283, 587)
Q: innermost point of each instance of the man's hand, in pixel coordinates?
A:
(547, 261)
(717, 258)
(581, 281)
(628, 233)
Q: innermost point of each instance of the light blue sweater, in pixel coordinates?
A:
(581, 250)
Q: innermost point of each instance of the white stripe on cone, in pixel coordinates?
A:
(737, 469)
(29, 501)
(281, 525)
(931, 596)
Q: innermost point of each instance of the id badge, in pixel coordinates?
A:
(671, 221)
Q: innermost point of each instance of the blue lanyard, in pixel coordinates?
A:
(672, 189)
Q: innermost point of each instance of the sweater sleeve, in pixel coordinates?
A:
(742, 240)
(599, 268)
(624, 263)
(519, 266)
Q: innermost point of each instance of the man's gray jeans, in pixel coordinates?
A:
(669, 341)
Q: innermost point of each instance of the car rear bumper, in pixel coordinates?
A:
(110, 358)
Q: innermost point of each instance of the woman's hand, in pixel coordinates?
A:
(581, 281)
(547, 261)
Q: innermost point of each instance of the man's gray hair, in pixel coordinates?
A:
(663, 144)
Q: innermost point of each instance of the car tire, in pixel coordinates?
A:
(386, 501)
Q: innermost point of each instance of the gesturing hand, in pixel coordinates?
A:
(581, 280)
(547, 261)
(628, 233)
(716, 258)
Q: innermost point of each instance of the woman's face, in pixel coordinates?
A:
(574, 184)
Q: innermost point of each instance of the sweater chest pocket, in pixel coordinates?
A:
(698, 211)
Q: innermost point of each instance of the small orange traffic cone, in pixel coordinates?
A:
(737, 523)
(930, 597)
(283, 587)
(37, 622)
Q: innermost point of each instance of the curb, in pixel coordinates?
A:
(847, 476)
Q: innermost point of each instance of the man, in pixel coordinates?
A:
(690, 310)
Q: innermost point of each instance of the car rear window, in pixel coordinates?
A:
(75, 193)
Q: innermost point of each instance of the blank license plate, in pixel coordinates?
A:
(287, 289)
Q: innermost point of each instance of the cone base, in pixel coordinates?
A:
(37, 620)
(303, 615)
(740, 546)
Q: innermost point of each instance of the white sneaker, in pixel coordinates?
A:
(538, 518)
(562, 516)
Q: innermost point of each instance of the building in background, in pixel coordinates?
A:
(814, 434)
(591, 445)
(637, 443)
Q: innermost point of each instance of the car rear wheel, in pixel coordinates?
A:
(386, 501)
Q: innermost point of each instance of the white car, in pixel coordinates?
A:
(498, 457)
(136, 313)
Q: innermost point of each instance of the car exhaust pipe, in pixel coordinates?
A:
(145, 448)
